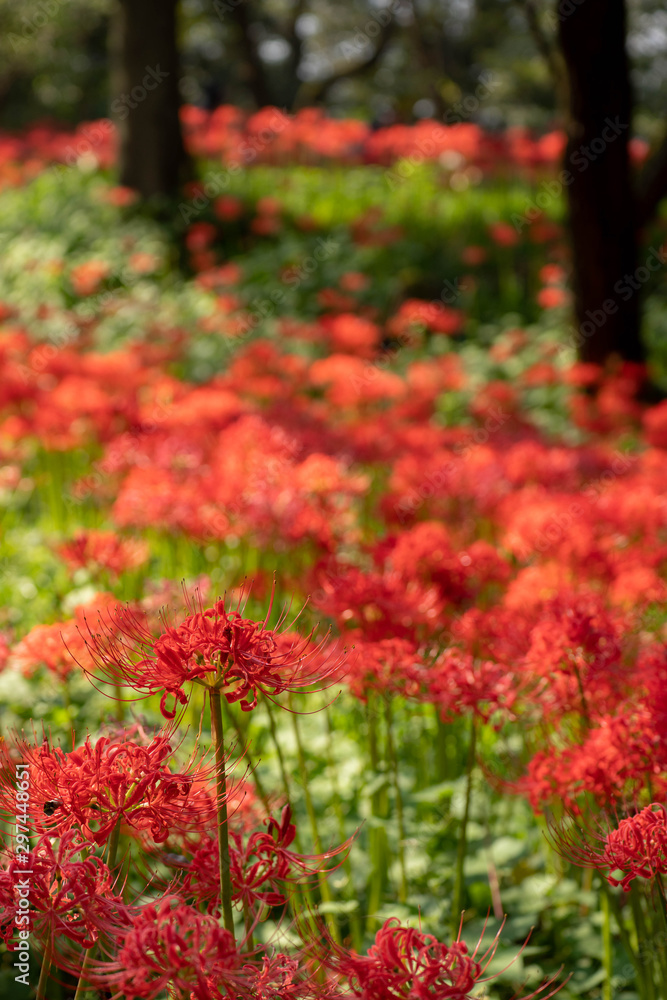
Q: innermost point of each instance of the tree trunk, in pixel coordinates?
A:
(601, 203)
(145, 81)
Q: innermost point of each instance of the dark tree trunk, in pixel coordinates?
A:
(145, 82)
(603, 221)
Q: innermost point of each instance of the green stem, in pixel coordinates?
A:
(355, 922)
(378, 847)
(81, 986)
(302, 889)
(44, 973)
(662, 932)
(112, 847)
(625, 937)
(279, 752)
(457, 896)
(325, 891)
(584, 703)
(642, 936)
(247, 920)
(440, 746)
(606, 948)
(67, 701)
(120, 704)
(393, 763)
(223, 830)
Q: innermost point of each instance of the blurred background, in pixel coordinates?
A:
(568, 97)
(57, 58)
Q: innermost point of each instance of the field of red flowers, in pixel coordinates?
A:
(332, 586)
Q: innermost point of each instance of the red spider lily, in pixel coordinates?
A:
(279, 977)
(637, 847)
(173, 945)
(98, 784)
(104, 550)
(60, 646)
(458, 682)
(283, 977)
(612, 764)
(406, 964)
(261, 865)
(70, 895)
(391, 666)
(381, 606)
(215, 647)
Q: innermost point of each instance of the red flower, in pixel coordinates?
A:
(87, 278)
(262, 864)
(473, 255)
(215, 647)
(434, 316)
(71, 896)
(391, 666)
(200, 235)
(99, 783)
(637, 847)
(381, 606)
(172, 944)
(104, 550)
(408, 965)
(227, 207)
(503, 234)
(552, 297)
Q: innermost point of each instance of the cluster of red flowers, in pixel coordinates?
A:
(466, 561)
(527, 564)
(309, 136)
(126, 786)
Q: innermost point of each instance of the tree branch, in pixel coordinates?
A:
(312, 92)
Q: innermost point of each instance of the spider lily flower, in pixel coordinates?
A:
(72, 900)
(637, 847)
(215, 647)
(262, 865)
(102, 782)
(406, 964)
(171, 945)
